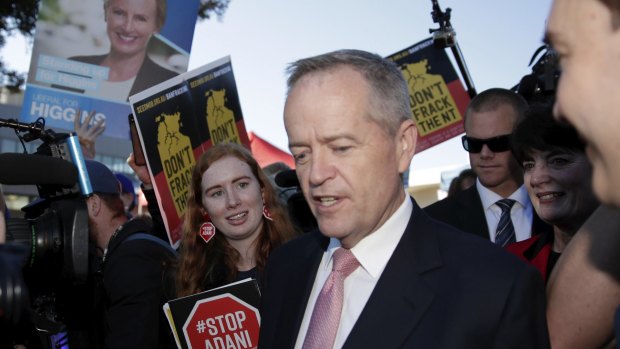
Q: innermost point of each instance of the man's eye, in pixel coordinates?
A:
(300, 158)
(528, 165)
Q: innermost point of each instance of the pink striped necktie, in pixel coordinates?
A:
(326, 314)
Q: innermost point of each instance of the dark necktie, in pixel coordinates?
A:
(505, 233)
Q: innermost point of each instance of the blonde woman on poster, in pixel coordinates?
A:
(130, 24)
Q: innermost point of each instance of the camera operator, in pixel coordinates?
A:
(131, 289)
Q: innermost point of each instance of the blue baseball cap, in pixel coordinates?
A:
(126, 185)
(101, 178)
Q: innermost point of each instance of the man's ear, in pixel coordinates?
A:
(406, 140)
(94, 205)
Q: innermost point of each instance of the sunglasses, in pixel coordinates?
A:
(496, 144)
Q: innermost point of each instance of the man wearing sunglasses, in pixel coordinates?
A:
(497, 207)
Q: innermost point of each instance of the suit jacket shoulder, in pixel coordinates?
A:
(463, 211)
(445, 289)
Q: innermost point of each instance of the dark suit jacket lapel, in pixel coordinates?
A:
(299, 287)
(401, 296)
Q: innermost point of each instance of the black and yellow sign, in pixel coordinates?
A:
(436, 95)
(180, 119)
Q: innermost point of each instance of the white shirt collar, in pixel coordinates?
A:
(489, 198)
(374, 250)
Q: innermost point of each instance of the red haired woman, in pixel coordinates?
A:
(230, 194)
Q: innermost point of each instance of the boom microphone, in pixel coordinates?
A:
(36, 127)
(36, 169)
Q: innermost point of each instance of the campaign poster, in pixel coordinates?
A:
(91, 55)
(177, 121)
(436, 95)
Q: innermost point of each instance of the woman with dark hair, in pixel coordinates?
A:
(230, 195)
(557, 176)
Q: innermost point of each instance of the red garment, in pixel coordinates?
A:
(535, 251)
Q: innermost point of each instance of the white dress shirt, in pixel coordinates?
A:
(521, 212)
(373, 253)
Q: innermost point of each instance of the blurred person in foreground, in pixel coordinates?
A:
(586, 36)
(379, 272)
(584, 290)
(558, 178)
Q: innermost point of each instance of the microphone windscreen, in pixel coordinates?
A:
(16, 168)
(287, 178)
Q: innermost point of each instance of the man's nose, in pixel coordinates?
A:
(321, 168)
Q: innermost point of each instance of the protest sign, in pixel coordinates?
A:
(225, 317)
(436, 95)
(180, 119)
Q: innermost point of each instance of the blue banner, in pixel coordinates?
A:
(92, 55)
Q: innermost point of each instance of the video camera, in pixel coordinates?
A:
(297, 206)
(541, 84)
(47, 249)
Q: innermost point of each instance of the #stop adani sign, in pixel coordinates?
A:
(222, 322)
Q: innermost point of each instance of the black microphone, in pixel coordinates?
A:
(287, 178)
(36, 126)
(36, 169)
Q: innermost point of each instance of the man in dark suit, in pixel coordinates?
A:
(380, 273)
(489, 120)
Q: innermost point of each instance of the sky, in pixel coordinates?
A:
(497, 40)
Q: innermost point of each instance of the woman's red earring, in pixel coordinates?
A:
(207, 229)
(266, 213)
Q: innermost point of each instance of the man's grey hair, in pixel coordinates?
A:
(389, 95)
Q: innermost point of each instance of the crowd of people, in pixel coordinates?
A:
(521, 254)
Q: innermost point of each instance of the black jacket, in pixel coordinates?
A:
(134, 290)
